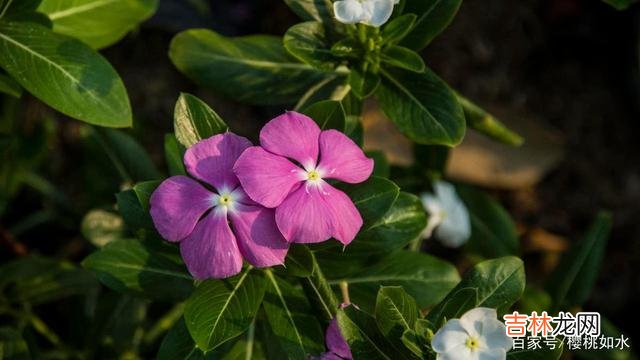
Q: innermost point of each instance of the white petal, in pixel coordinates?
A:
(494, 335)
(434, 209)
(377, 12)
(491, 354)
(348, 11)
(456, 226)
(450, 336)
(460, 352)
(473, 320)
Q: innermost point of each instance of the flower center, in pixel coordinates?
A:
(472, 343)
(226, 200)
(313, 175)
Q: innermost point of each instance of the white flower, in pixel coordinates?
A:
(370, 12)
(447, 215)
(477, 335)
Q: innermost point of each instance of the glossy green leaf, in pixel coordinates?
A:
(571, 282)
(173, 155)
(396, 29)
(486, 124)
(347, 47)
(363, 336)
(363, 84)
(328, 114)
(194, 120)
(298, 263)
(404, 58)
(539, 354)
(433, 17)
(333, 87)
(220, 310)
(64, 73)
(455, 305)
(424, 277)
(308, 43)
(129, 158)
(381, 166)
(291, 319)
(134, 214)
(422, 106)
(243, 68)
(312, 10)
(144, 190)
(396, 312)
(9, 86)
(102, 227)
(373, 198)
(146, 268)
(12, 345)
(319, 293)
(499, 283)
(23, 10)
(620, 4)
(99, 23)
(493, 232)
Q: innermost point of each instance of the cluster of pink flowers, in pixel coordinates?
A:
(250, 202)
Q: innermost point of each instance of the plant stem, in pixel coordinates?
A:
(344, 288)
(164, 324)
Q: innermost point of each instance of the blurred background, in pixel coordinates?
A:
(564, 73)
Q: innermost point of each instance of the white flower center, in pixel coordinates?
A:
(472, 343)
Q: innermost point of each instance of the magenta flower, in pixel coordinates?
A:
(288, 173)
(213, 244)
(336, 344)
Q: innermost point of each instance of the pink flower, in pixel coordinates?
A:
(213, 244)
(288, 173)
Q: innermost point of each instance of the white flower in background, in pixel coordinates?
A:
(448, 217)
(477, 335)
(370, 12)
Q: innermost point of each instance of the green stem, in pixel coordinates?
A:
(320, 293)
(6, 7)
(164, 324)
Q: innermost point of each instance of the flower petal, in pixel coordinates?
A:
(348, 11)
(460, 352)
(450, 336)
(265, 177)
(455, 228)
(377, 12)
(211, 250)
(317, 212)
(434, 210)
(342, 159)
(494, 333)
(211, 160)
(293, 135)
(177, 205)
(259, 239)
(491, 354)
(336, 342)
(473, 320)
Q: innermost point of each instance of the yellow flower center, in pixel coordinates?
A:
(225, 200)
(472, 343)
(313, 175)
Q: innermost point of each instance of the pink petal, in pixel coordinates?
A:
(211, 160)
(259, 239)
(342, 159)
(292, 135)
(177, 205)
(317, 212)
(211, 250)
(336, 342)
(267, 178)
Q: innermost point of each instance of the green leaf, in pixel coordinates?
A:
(243, 68)
(363, 84)
(312, 10)
(485, 123)
(403, 223)
(220, 310)
(373, 198)
(433, 17)
(24, 10)
(102, 227)
(328, 114)
(130, 159)
(455, 305)
(607, 329)
(308, 43)
(347, 47)
(404, 58)
(64, 73)
(298, 263)
(194, 120)
(396, 312)
(540, 354)
(499, 283)
(571, 282)
(493, 233)
(12, 346)
(319, 293)
(146, 268)
(620, 4)
(37, 280)
(333, 87)
(381, 166)
(422, 106)
(134, 215)
(363, 336)
(144, 190)
(173, 155)
(9, 86)
(291, 319)
(98, 23)
(424, 277)
(396, 29)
